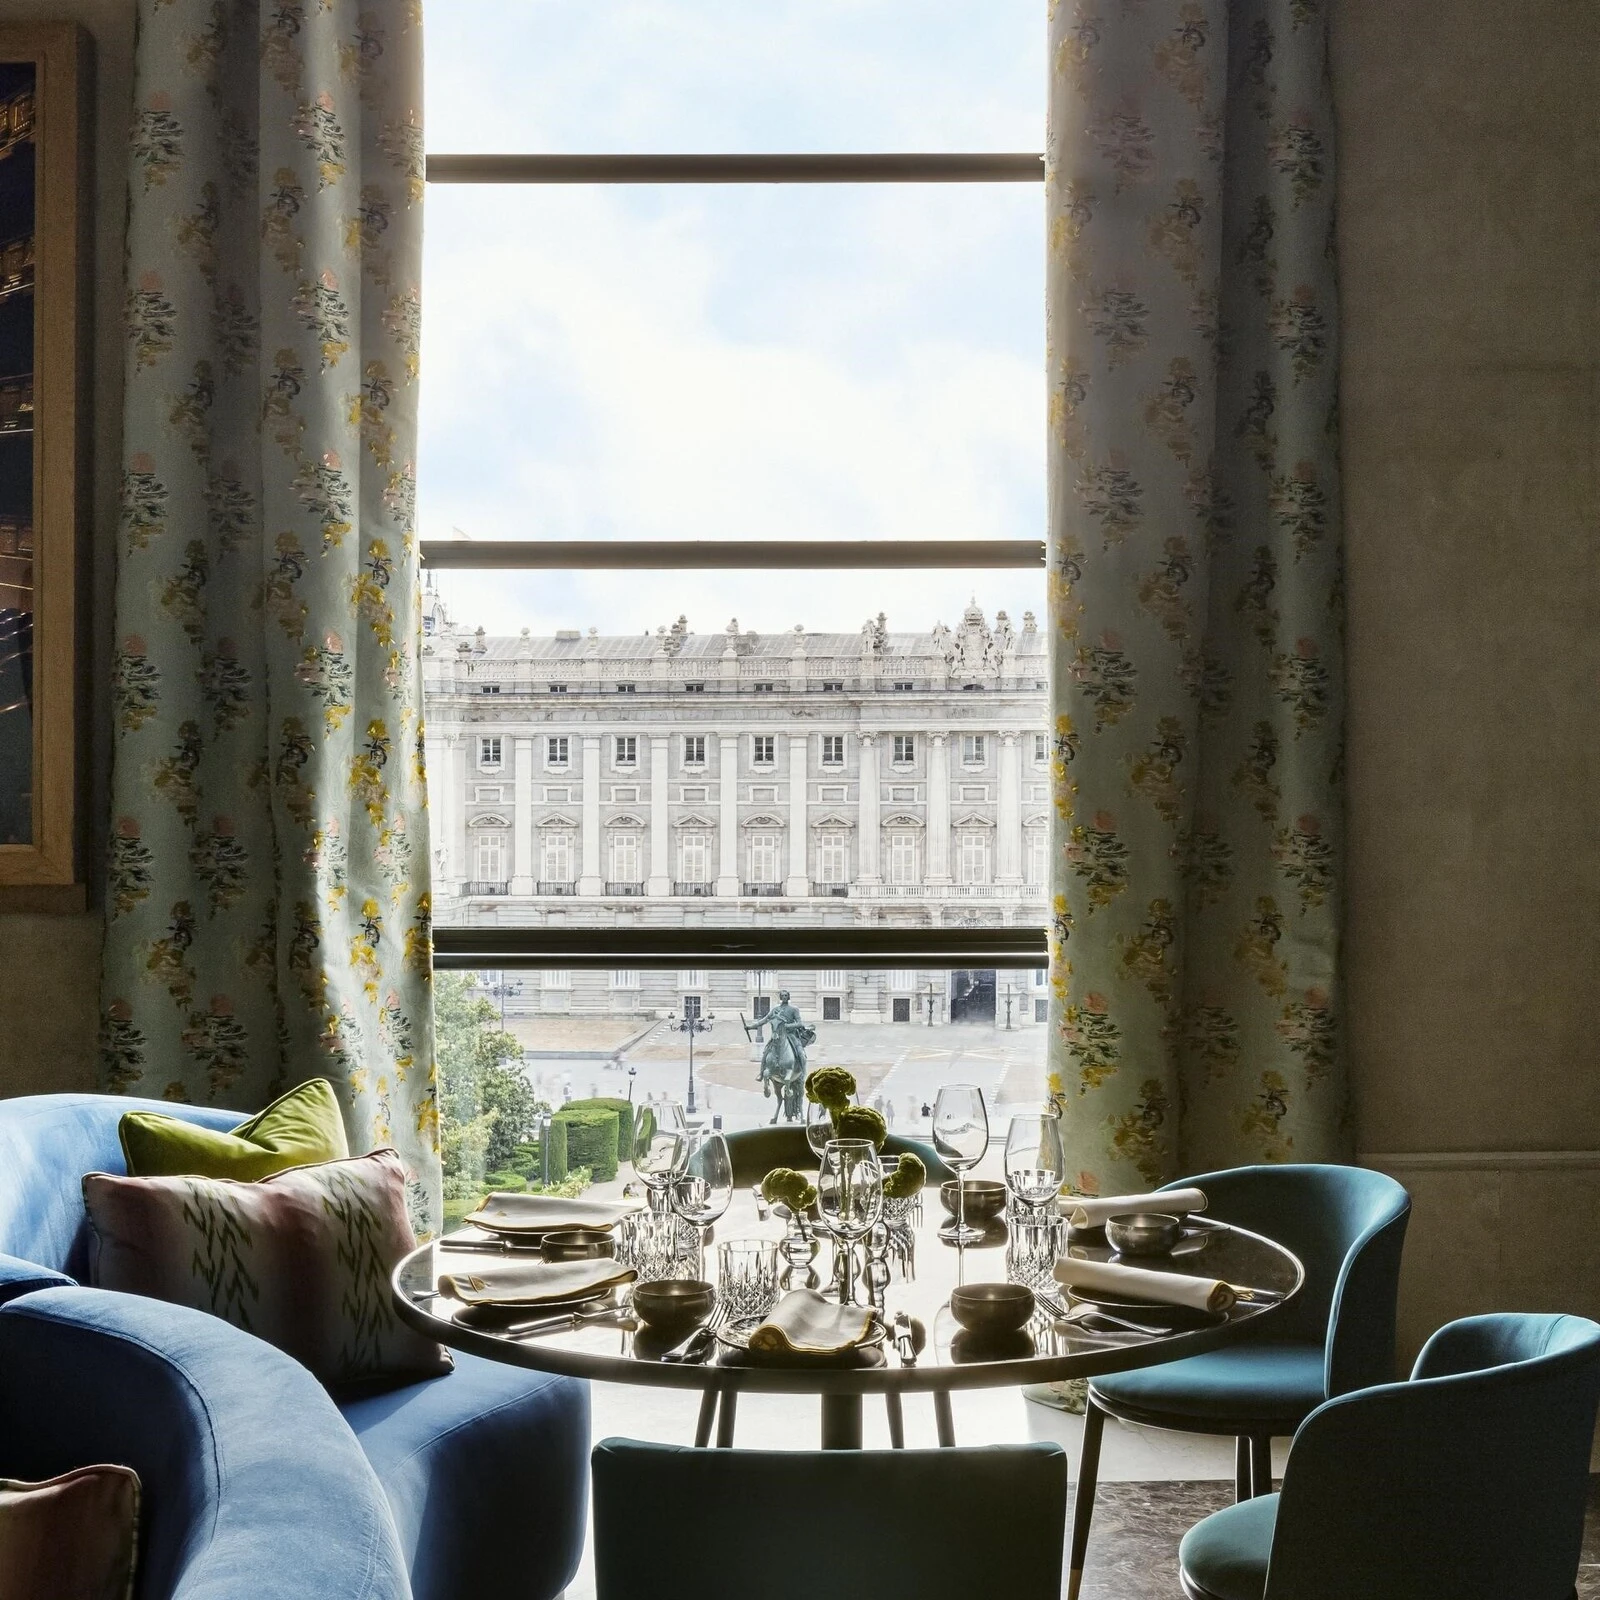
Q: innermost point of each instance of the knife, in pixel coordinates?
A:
(568, 1320)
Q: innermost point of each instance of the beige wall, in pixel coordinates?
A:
(1470, 265)
(49, 966)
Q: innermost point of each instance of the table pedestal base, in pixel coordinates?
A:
(841, 1422)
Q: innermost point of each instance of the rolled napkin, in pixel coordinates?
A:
(1140, 1283)
(544, 1213)
(1091, 1211)
(803, 1323)
(533, 1283)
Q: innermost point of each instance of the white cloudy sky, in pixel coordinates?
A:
(733, 362)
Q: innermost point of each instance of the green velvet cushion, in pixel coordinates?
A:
(297, 1130)
(1242, 1384)
(1226, 1555)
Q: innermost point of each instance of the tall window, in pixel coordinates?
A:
(556, 751)
(694, 856)
(761, 749)
(1038, 850)
(765, 852)
(833, 749)
(905, 749)
(490, 856)
(833, 856)
(625, 857)
(557, 855)
(1041, 748)
(489, 752)
(903, 856)
(627, 750)
(972, 856)
(625, 979)
(694, 749)
(973, 750)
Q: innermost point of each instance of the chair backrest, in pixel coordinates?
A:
(1347, 1225)
(47, 1143)
(756, 1151)
(252, 1483)
(794, 1525)
(1467, 1483)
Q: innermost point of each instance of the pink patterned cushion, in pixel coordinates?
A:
(301, 1259)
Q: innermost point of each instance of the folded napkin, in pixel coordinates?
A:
(803, 1323)
(532, 1283)
(544, 1213)
(1091, 1211)
(1141, 1283)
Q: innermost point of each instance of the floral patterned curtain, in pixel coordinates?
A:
(1196, 590)
(268, 915)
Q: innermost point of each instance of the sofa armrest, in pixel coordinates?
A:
(253, 1482)
(19, 1277)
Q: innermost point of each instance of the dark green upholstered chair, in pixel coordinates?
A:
(800, 1525)
(756, 1151)
(1347, 1226)
(1467, 1483)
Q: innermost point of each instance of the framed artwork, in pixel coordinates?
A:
(45, 216)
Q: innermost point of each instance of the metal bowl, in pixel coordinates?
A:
(673, 1304)
(1143, 1233)
(991, 1310)
(986, 1200)
(577, 1244)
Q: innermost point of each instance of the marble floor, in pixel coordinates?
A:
(1154, 1486)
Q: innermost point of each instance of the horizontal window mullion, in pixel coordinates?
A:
(665, 555)
(886, 167)
(754, 948)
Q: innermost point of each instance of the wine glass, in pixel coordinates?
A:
(849, 1197)
(1035, 1159)
(961, 1137)
(819, 1127)
(704, 1189)
(660, 1147)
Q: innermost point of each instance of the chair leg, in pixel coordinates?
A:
(1094, 1421)
(897, 1421)
(1261, 1464)
(944, 1418)
(725, 1418)
(708, 1415)
(1241, 1468)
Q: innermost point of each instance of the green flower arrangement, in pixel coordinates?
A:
(783, 1186)
(832, 1087)
(861, 1122)
(906, 1179)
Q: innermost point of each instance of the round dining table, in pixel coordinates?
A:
(1065, 1338)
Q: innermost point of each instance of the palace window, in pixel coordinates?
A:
(488, 688)
(902, 856)
(691, 1008)
(833, 749)
(489, 753)
(694, 856)
(762, 688)
(556, 863)
(762, 746)
(833, 856)
(833, 686)
(694, 749)
(695, 978)
(694, 688)
(556, 751)
(1041, 748)
(558, 688)
(625, 858)
(489, 856)
(765, 853)
(903, 685)
(831, 1008)
(905, 749)
(1036, 855)
(558, 980)
(972, 856)
(625, 979)
(627, 750)
(974, 750)
(627, 688)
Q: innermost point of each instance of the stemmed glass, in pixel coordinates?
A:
(819, 1127)
(705, 1189)
(660, 1148)
(1035, 1160)
(849, 1198)
(961, 1137)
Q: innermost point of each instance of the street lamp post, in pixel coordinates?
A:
(1009, 993)
(500, 989)
(690, 1024)
(927, 993)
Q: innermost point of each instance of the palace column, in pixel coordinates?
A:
(798, 883)
(938, 809)
(867, 812)
(728, 814)
(522, 873)
(660, 879)
(1008, 855)
(589, 881)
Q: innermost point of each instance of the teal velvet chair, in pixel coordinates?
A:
(1467, 1483)
(805, 1525)
(756, 1151)
(1347, 1226)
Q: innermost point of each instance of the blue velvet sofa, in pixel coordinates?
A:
(481, 1475)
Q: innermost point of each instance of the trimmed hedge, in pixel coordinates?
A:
(530, 1157)
(624, 1111)
(591, 1138)
(504, 1182)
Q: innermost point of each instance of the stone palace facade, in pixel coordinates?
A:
(739, 779)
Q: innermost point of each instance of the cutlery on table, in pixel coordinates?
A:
(565, 1322)
(693, 1349)
(905, 1343)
